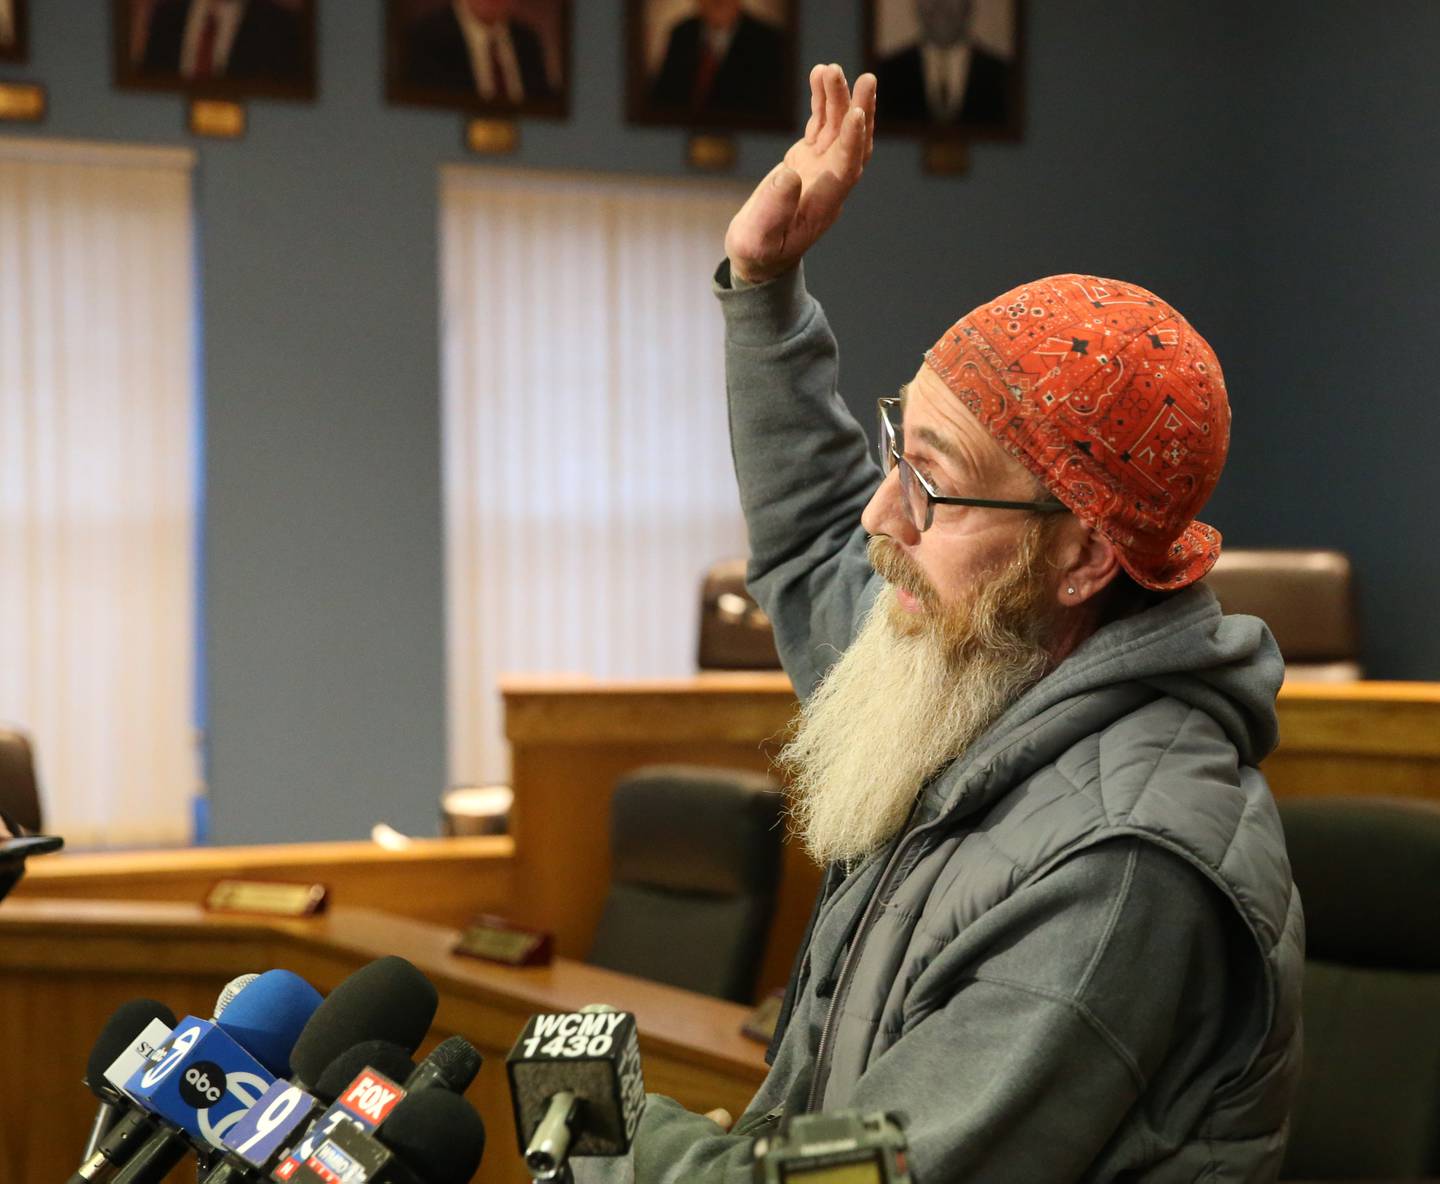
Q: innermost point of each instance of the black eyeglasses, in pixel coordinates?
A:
(916, 493)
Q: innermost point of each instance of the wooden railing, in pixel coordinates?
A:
(446, 881)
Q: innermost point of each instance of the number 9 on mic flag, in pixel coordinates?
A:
(268, 1124)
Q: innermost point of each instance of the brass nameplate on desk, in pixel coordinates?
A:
(268, 897)
(496, 940)
(23, 102)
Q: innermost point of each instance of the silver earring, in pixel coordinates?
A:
(1070, 591)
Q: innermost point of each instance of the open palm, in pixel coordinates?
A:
(802, 196)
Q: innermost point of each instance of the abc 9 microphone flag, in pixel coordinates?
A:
(205, 1083)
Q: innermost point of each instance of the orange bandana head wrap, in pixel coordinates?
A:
(1113, 400)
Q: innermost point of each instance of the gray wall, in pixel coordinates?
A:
(1273, 179)
(1340, 190)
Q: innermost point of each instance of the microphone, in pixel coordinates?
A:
(433, 1137)
(387, 1002)
(261, 1133)
(439, 1134)
(262, 1139)
(206, 1079)
(387, 999)
(366, 1101)
(363, 1105)
(267, 1016)
(230, 990)
(389, 1060)
(577, 1088)
(200, 1088)
(133, 1030)
(452, 1064)
(128, 1135)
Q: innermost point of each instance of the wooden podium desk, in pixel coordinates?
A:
(443, 881)
(572, 737)
(65, 965)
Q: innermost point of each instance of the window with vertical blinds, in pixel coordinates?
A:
(588, 483)
(98, 483)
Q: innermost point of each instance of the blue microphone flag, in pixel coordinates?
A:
(202, 1083)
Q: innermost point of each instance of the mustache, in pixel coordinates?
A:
(895, 567)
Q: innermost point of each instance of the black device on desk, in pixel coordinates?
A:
(21, 848)
(14, 852)
(845, 1147)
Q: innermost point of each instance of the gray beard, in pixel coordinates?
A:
(896, 708)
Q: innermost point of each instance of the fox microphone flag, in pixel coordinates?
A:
(365, 1103)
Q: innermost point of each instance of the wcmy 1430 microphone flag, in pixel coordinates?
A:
(577, 1088)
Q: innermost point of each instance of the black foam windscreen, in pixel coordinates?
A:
(120, 1029)
(458, 1062)
(387, 999)
(438, 1134)
(380, 1055)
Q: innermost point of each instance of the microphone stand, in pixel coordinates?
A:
(548, 1156)
(105, 1118)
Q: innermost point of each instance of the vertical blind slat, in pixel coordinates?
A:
(597, 488)
(98, 488)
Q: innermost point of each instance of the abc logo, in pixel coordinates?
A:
(202, 1085)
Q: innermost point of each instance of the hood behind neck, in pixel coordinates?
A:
(1184, 647)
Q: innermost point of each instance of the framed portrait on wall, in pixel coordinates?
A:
(233, 49)
(946, 67)
(712, 63)
(484, 57)
(14, 44)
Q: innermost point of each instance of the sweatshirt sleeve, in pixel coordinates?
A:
(804, 469)
(1023, 1065)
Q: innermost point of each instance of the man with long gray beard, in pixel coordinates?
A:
(1058, 929)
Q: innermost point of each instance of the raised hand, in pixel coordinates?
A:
(802, 196)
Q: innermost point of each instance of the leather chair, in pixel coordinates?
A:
(695, 856)
(1369, 876)
(1306, 597)
(1308, 600)
(735, 633)
(19, 791)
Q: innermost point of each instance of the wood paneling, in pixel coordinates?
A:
(69, 964)
(1365, 738)
(571, 738)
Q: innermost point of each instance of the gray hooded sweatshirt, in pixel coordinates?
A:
(1081, 960)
